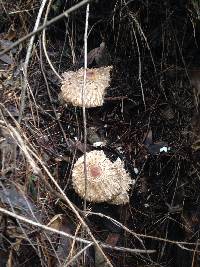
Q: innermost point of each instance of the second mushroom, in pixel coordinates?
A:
(97, 80)
(106, 181)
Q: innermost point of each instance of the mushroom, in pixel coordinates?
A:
(97, 80)
(106, 181)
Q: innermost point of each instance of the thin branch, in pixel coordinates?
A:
(83, 102)
(50, 97)
(42, 226)
(136, 235)
(53, 230)
(73, 243)
(28, 152)
(25, 67)
(85, 121)
(45, 25)
(44, 42)
(77, 255)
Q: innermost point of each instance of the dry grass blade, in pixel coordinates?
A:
(25, 66)
(81, 240)
(145, 74)
(27, 152)
(52, 21)
(44, 42)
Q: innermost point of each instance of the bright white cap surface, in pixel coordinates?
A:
(106, 181)
(97, 80)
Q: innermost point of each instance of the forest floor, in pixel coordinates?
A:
(149, 119)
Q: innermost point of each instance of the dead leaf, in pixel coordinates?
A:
(112, 239)
(6, 59)
(99, 55)
(148, 139)
(17, 199)
(153, 148)
(56, 222)
(91, 55)
(4, 44)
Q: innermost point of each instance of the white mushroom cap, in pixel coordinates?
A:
(97, 80)
(106, 181)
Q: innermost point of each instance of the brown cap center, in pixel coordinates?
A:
(95, 171)
(91, 75)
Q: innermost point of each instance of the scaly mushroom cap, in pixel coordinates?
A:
(97, 80)
(106, 181)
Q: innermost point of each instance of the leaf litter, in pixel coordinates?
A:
(155, 59)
